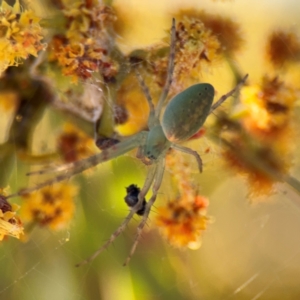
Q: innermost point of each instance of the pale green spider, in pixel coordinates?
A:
(183, 117)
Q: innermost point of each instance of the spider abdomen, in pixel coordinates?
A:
(187, 111)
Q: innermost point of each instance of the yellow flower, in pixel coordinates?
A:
(74, 144)
(86, 45)
(258, 144)
(51, 206)
(87, 18)
(10, 224)
(9, 100)
(196, 48)
(20, 35)
(182, 221)
(283, 47)
(269, 106)
(225, 30)
(259, 164)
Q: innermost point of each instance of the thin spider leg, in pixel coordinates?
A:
(170, 71)
(69, 166)
(146, 187)
(224, 97)
(191, 152)
(140, 155)
(157, 183)
(152, 121)
(139, 152)
(122, 227)
(50, 169)
(82, 165)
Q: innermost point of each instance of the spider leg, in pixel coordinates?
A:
(191, 152)
(49, 169)
(224, 97)
(74, 168)
(122, 227)
(145, 90)
(152, 120)
(170, 71)
(139, 153)
(155, 188)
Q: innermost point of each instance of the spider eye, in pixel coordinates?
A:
(205, 89)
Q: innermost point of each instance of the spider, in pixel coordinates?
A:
(183, 117)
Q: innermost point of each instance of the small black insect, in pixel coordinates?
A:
(132, 199)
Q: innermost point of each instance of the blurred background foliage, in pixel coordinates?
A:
(251, 249)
